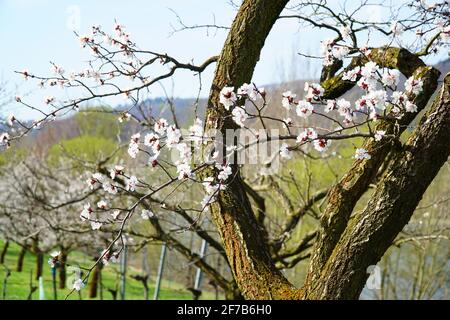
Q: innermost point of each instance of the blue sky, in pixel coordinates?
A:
(39, 31)
(34, 32)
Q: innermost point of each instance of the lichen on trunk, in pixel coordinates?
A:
(246, 249)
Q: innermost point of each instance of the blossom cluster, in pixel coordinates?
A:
(377, 82)
(228, 98)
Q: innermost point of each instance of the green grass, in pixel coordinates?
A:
(18, 283)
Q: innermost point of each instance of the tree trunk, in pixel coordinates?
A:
(242, 236)
(93, 285)
(4, 251)
(62, 269)
(22, 253)
(371, 232)
(39, 264)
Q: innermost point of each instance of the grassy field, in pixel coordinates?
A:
(18, 283)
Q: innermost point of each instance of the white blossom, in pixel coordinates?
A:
(152, 140)
(361, 154)
(86, 213)
(185, 152)
(304, 109)
(96, 178)
(321, 144)
(131, 183)
(377, 99)
(239, 116)
(288, 122)
(340, 52)
(84, 40)
(133, 150)
(227, 97)
(147, 214)
(118, 170)
(110, 188)
(125, 116)
(326, 49)
(367, 83)
(326, 45)
(102, 204)
(96, 225)
(398, 98)
(208, 184)
(413, 86)
(57, 70)
(352, 75)
(285, 152)
(173, 136)
(184, 170)
(331, 105)
(54, 258)
(313, 90)
(196, 131)
(153, 160)
(370, 70)
(133, 147)
(224, 173)
(248, 90)
(108, 257)
(390, 77)
(344, 107)
(161, 126)
(410, 107)
(288, 99)
(379, 134)
(135, 138)
(78, 284)
(307, 134)
(361, 103)
(115, 214)
(10, 120)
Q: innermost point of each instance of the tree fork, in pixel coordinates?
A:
(371, 232)
(346, 193)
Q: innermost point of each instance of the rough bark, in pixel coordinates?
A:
(371, 232)
(244, 243)
(346, 193)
